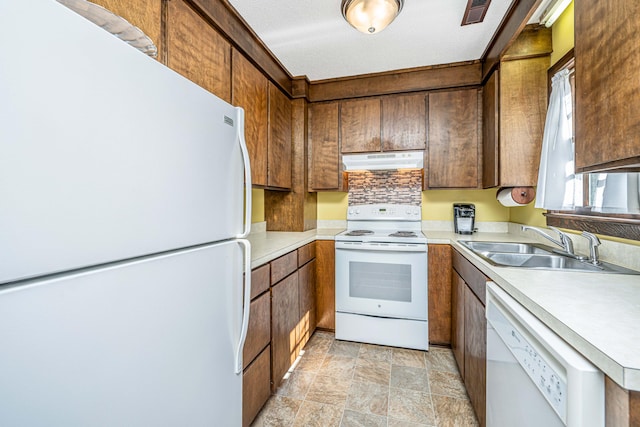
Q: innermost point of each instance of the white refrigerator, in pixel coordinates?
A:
(122, 232)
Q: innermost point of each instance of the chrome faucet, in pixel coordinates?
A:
(594, 242)
(564, 241)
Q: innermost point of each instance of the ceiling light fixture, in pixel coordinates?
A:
(371, 16)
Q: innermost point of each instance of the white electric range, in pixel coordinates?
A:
(381, 277)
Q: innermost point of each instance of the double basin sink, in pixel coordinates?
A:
(537, 256)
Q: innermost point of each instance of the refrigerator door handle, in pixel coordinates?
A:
(247, 174)
(246, 303)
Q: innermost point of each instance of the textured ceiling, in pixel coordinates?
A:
(311, 38)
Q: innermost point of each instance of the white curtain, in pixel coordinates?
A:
(557, 185)
(616, 192)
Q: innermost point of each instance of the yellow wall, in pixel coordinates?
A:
(437, 205)
(257, 205)
(332, 206)
(562, 34)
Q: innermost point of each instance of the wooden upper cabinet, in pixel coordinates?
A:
(453, 139)
(279, 142)
(324, 151)
(144, 14)
(523, 109)
(197, 51)
(360, 125)
(250, 92)
(404, 122)
(607, 85)
(514, 108)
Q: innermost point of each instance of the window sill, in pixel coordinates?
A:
(623, 226)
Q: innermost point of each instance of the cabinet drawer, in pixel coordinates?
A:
(283, 266)
(256, 387)
(470, 274)
(306, 253)
(260, 280)
(259, 330)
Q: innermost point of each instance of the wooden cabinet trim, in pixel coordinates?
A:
(475, 353)
(458, 287)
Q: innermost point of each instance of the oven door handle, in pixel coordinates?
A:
(380, 246)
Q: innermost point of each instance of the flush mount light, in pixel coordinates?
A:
(371, 16)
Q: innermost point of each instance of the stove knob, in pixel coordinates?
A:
(350, 211)
(357, 211)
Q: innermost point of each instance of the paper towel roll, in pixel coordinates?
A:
(516, 196)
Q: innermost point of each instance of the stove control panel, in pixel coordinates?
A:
(384, 212)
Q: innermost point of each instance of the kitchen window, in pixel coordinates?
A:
(605, 203)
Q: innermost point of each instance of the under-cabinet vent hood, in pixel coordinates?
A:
(383, 161)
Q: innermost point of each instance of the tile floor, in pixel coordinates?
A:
(340, 383)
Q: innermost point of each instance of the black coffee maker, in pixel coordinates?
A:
(464, 215)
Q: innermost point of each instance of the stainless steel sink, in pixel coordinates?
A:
(536, 256)
(507, 247)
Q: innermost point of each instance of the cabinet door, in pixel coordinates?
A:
(360, 125)
(439, 285)
(453, 139)
(250, 92)
(608, 88)
(458, 287)
(284, 319)
(404, 122)
(307, 295)
(197, 51)
(475, 353)
(256, 387)
(523, 108)
(490, 132)
(144, 14)
(259, 330)
(326, 284)
(324, 167)
(279, 149)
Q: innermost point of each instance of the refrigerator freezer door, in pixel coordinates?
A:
(105, 154)
(145, 343)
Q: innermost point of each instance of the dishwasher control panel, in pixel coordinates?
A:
(552, 385)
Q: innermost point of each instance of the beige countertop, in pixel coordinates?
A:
(598, 314)
(269, 245)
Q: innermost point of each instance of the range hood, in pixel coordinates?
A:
(383, 161)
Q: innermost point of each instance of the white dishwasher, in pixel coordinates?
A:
(534, 378)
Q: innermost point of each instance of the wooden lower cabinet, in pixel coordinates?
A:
(258, 332)
(475, 353)
(469, 330)
(439, 287)
(284, 319)
(256, 386)
(307, 303)
(457, 319)
(326, 284)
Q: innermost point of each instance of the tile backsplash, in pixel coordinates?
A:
(386, 186)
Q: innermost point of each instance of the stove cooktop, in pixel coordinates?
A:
(388, 236)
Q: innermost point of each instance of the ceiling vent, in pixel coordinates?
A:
(475, 11)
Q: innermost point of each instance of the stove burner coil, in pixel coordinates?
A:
(403, 234)
(359, 233)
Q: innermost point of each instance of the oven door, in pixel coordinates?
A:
(382, 279)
